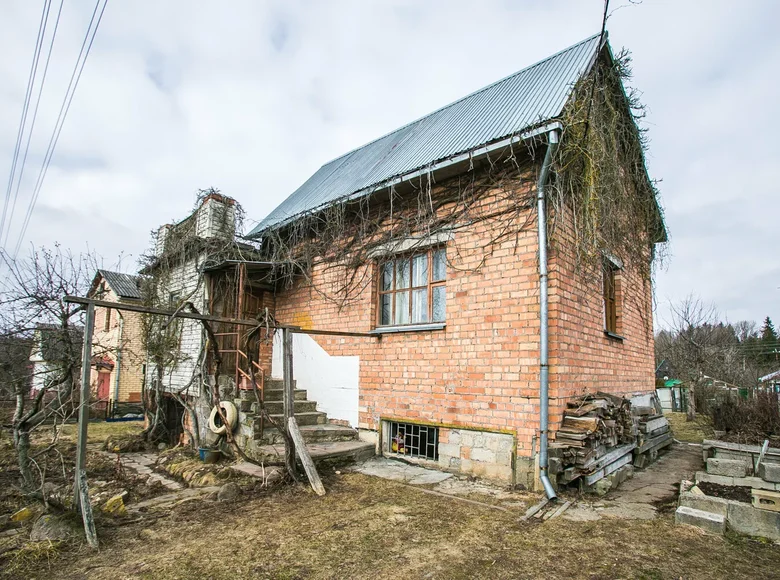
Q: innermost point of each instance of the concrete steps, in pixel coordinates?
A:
(325, 441)
(312, 434)
(329, 451)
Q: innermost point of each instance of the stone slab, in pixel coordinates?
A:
(707, 521)
(706, 503)
(727, 467)
(746, 519)
(754, 482)
(400, 471)
(769, 472)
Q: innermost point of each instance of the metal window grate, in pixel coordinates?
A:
(414, 440)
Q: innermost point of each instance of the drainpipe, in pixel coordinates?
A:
(544, 367)
(118, 358)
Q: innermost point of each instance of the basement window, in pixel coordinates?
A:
(410, 440)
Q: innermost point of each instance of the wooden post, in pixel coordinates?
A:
(80, 488)
(288, 398)
(306, 460)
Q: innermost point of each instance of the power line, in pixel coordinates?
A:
(64, 108)
(25, 107)
(32, 123)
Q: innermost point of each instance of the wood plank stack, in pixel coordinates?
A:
(653, 433)
(600, 433)
(596, 438)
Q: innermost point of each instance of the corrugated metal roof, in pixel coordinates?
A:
(505, 108)
(125, 285)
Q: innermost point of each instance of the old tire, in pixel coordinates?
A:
(231, 415)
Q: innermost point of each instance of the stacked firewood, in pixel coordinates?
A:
(601, 433)
(595, 427)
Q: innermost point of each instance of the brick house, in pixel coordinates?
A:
(446, 275)
(118, 352)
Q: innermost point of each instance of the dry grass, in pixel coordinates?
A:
(98, 431)
(371, 528)
(690, 431)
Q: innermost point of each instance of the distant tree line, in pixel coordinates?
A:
(698, 344)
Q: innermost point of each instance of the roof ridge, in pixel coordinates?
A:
(463, 98)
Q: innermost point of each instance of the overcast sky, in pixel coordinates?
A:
(252, 97)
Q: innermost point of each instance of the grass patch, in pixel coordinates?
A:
(98, 431)
(690, 431)
(32, 555)
(370, 528)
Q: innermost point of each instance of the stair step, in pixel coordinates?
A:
(312, 434)
(330, 451)
(277, 407)
(309, 418)
(278, 394)
(276, 383)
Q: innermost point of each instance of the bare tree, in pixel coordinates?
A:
(686, 345)
(32, 309)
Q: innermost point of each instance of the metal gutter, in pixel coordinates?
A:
(544, 366)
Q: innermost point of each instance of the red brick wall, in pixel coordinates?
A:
(482, 370)
(582, 357)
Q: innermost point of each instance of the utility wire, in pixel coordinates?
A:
(32, 123)
(64, 108)
(25, 108)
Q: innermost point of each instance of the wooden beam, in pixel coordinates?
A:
(306, 460)
(288, 398)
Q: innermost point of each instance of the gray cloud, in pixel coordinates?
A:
(253, 97)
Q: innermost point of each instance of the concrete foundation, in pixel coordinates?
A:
(483, 454)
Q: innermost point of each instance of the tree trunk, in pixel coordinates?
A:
(22, 440)
(692, 401)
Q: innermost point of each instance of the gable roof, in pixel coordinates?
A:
(124, 285)
(515, 104)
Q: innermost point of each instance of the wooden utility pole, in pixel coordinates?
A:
(288, 398)
(80, 488)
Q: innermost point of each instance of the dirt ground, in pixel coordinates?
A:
(366, 527)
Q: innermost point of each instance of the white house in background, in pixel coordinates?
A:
(52, 348)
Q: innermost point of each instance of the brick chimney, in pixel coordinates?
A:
(216, 217)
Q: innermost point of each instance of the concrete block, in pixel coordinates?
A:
(707, 521)
(727, 467)
(705, 503)
(746, 519)
(766, 500)
(769, 472)
(712, 478)
(449, 450)
(483, 454)
(454, 436)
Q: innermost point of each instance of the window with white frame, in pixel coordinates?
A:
(412, 288)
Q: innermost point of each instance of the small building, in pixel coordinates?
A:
(118, 354)
(53, 350)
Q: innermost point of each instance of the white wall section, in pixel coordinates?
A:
(332, 381)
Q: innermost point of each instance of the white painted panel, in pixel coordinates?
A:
(331, 381)
(665, 398)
